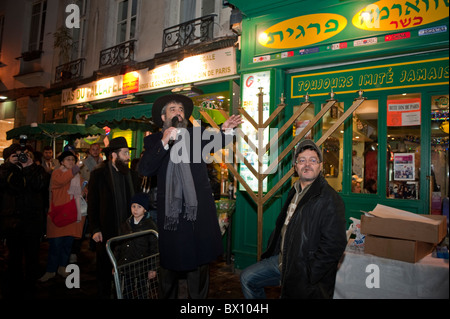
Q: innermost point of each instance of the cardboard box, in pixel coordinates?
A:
(393, 223)
(399, 249)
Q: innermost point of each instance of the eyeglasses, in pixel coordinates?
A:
(311, 160)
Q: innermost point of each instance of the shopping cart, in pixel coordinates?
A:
(137, 279)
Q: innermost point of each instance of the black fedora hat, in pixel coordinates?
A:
(164, 100)
(66, 154)
(117, 143)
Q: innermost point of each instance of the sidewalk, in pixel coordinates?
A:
(224, 279)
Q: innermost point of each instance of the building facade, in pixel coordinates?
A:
(392, 149)
(26, 61)
(93, 56)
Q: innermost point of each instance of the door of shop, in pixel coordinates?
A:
(371, 158)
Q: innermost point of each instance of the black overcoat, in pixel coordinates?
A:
(193, 243)
(102, 212)
(23, 199)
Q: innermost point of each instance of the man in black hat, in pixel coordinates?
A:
(309, 237)
(23, 197)
(111, 186)
(189, 234)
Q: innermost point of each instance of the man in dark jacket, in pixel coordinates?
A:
(110, 189)
(309, 237)
(23, 198)
(189, 234)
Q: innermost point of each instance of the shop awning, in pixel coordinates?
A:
(53, 131)
(138, 117)
(134, 117)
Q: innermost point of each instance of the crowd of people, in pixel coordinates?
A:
(109, 199)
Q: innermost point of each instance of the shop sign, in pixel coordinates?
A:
(252, 83)
(388, 15)
(201, 67)
(130, 83)
(102, 89)
(302, 31)
(214, 64)
(381, 77)
(354, 23)
(404, 112)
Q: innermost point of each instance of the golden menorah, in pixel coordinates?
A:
(261, 149)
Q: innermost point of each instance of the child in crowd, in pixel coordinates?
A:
(135, 275)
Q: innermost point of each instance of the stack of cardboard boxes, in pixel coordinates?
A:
(397, 234)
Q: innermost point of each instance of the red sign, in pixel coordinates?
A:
(130, 83)
(397, 36)
(403, 112)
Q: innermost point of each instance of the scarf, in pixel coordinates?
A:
(179, 186)
(75, 192)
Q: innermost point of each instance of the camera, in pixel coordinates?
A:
(23, 157)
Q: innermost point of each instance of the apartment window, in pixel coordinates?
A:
(187, 10)
(38, 12)
(192, 9)
(78, 34)
(126, 21)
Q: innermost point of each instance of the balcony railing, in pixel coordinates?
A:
(190, 32)
(118, 54)
(69, 71)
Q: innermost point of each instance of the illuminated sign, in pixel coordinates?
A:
(130, 83)
(101, 89)
(356, 23)
(206, 66)
(388, 15)
(252, 84)
(302, 31)
(214, 64)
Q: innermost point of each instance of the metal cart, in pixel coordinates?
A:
(136, 279)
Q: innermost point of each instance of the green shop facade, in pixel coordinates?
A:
(393, 148)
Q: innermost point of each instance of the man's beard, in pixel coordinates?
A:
(122, 166)
(303, 178)
(168, 123)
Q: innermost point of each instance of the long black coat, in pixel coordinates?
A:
(194, 243)
(102, 212)
(23, 199)
(314, 242)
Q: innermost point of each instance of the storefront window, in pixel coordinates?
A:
(365, 148)
(403, 142)
(333, 147)
(439, 176)
(303, 120)
(215, 101)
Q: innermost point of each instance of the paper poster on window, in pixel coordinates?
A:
(300, 125)
(403, 112)
(404, 169)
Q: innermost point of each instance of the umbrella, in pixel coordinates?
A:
(53, 130)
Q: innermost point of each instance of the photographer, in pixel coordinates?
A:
(23, 189)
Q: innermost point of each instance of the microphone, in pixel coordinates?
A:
(175, 122)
